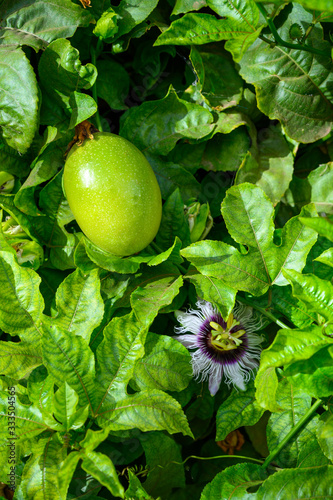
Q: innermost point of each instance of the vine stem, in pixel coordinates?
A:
(94, 55)
(264, 312)
(283, 43)
(219, 456)
(292, 433)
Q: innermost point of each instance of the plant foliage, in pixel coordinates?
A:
(231, 102)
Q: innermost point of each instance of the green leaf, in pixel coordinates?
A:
(326, 257)
(22, 303)
(130, 13)
(19, 99)
(325, 434)
(166, 365)
(11, 38)
(111, 262)
(143, 126)
(161, 454)
(317, 4)
(238, 46)
(83, 107)
(230, 120)
(314, 375)
(106, 25)
(320, 181)
(55, 206)
(51, 279)
(216, 291)
(66, 472)
(271, 166)
(93, 439)
(311, 455)
(171, 255)
(65, 403)
(79, 304)
(307, 482)
(239, 409)
(266, 383)
(122, 346)
(234, 482)
(68, 358)
(40, 475)
(315, 293)
(147, 300)
(315, 188)
(61, 60)
(48, 230)
(135, 489)
(44, 167)
(288, 347)
(40, 389)
(314, 265)
(261, 266)
(13, 162)
(28, 421)
(183, 6)
(295, 403)
(323, 225)
(101, 468)
(148, 411)
(18, 359)
(150, 274)
(218, 83)
(226, 152)
(292, 308)
(305, 86)
(114, 94)
(238, 19)
(37, 23)
(173, 222)
(171, 176)
(202, 407)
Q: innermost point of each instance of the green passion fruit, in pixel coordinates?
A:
(113, 194)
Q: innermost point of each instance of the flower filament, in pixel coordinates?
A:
(223, 339)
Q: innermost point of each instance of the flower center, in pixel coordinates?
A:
(223, 339)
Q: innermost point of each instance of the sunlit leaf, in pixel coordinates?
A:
(315, 293)
(318, 482)
(288, 347)
(38, 23)
(100, 467)
(239, 409)
(166, 365)
(305, 86)
(40, 476)
(18, 99)
(248, 214)
(236, 478)
(294, 403)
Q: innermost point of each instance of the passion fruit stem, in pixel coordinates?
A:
(84, 130)
(86, 3)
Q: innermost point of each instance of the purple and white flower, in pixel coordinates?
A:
(221, 348)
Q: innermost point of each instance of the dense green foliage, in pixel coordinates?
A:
(231, 102)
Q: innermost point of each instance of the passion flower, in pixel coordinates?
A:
(221, 348)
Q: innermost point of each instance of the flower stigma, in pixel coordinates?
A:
(223, 339)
